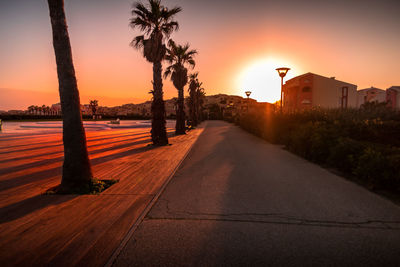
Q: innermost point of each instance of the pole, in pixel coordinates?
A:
(281, 91)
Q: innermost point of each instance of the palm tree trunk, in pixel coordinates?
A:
(76, 172)
(158, 129)
(194, 108)
(180, 114)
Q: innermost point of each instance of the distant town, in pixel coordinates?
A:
(302, 92)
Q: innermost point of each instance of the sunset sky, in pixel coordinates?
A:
(240, 44)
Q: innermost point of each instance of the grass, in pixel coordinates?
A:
(95, 187)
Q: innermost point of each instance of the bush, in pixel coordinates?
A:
(362, 142)
(344, 154)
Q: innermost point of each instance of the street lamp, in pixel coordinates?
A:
(282, 73)
(248, 93)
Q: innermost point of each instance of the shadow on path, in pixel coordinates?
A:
(29, 205)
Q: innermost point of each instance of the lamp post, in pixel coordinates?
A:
(248, 93)
(282, 73)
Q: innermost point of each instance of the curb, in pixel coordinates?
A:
(133, 228)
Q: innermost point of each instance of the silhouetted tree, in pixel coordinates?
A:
(192, 101)
(156, 21)
(178, 56)
(31, 109)
(93, 106)
(76, 172)
(200, 96)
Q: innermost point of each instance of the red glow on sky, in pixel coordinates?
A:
(239, 48)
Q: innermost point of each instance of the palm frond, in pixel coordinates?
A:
(142, 24)
(172, 44)
(138, 42)
(191, 53)
(192, 63)
(171, 12)
(153, 18)
(167, 72)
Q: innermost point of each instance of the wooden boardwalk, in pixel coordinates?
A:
(65, 230)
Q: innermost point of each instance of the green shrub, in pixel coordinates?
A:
(344, 154)
(364, 142)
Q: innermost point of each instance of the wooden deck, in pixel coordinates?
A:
(65, 230)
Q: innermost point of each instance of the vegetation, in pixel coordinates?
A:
(156, 21)
(76, 172)
(93, 104)
(361, 143)
(43, 110)
(195, 100)
(192, 101)
(178, 57)
(93, 188)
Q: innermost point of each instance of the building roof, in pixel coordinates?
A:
(371, 88)
(310, 73)
(395, 87)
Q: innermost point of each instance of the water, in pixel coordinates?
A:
(56, 126)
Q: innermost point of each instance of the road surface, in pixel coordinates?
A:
(238, 200)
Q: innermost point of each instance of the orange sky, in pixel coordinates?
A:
(237, 42)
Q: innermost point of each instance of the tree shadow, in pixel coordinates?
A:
(30, 177)
(60, 145)
(20, 209)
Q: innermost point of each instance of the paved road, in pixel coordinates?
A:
(237, 200)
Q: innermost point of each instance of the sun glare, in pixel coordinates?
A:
(262, 79)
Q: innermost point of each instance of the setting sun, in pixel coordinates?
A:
(261, 78)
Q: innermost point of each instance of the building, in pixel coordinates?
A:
(223, 104)
(393, 97)
(227, 105)
(313, 90)
(371, 94)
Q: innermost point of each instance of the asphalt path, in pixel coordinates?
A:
(237, 200)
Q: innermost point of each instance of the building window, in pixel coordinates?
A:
(306, 89)
(345, 91)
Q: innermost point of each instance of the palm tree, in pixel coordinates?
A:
(76, 172)
(193, 85)
(200, 96)
(178, 56)
(93, 106)
(31, 109)
(156, 21)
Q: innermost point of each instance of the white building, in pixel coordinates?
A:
(393, 97)
(313, 90)
(371, 94)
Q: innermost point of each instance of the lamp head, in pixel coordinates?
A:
(282, 71)
(248, 93)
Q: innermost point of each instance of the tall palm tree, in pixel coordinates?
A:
(157, 24)
(200, 96)
(193, 85)
(76, 171)
(178, 57)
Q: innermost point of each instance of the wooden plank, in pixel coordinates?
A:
(57, 230)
